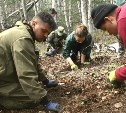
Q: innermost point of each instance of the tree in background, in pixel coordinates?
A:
(69, 12)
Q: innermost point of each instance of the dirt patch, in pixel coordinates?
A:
(86, 90)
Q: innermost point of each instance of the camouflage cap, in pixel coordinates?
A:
(60, 30)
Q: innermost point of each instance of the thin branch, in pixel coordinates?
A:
(29, 5)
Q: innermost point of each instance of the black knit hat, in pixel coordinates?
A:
(98, 14)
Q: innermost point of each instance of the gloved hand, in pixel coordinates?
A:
(54, 107)
(74, 67)
(51, 52)
(112, 76)
(50, 83)
(113, 80)
(86, 63)
(50, 106)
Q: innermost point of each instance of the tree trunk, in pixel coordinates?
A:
(20, 11)
(65, 14)
(79, 8)
(35, 8)
(70, 22)
(29, 5)
(54, 5)
(89, 16)
(24, 10)
(60, 10)
(84, 11)
(39, 5)
(2, 15)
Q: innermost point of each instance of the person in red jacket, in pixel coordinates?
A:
(112, 18)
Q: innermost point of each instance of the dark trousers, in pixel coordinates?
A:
(76, 59)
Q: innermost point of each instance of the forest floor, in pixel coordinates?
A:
(86, 90)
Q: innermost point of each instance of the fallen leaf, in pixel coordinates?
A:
(118, 105)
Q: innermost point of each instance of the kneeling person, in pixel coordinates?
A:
(20, 72)
(78, 41)
(56, 40)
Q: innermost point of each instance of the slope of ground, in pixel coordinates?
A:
(86, 90)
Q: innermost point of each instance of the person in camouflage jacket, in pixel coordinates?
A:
(56, 41)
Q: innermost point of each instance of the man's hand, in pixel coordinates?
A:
(86, 63)
(51, 52)
(113, 80)
(50, 83)
(74, 67)
(112, 76)
(50, 106)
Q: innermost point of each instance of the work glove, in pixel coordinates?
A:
(50, 106)
(50, 83)
(74, 67)
(86, 63)
(51, 52)
(54, 107)
(113, 80)
(112, 77)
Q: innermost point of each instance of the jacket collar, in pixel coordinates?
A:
(26, 26)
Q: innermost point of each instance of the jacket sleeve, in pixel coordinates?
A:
(25, 62)
(41, 73)
(120, 73)
(122, 30)
(67, 47)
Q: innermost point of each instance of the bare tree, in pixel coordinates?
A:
(20, 11)
(2, 15)
(29, 6)
(79, 8)
(70, 22)
(89, 16)
(65, 14)
(54, 5)
(84, 12)
(39, 5)
(35, 8)
(24, 9)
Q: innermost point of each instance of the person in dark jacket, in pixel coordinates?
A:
(80, 41)
(20, 72)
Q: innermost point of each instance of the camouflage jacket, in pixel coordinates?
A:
(55, 40)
